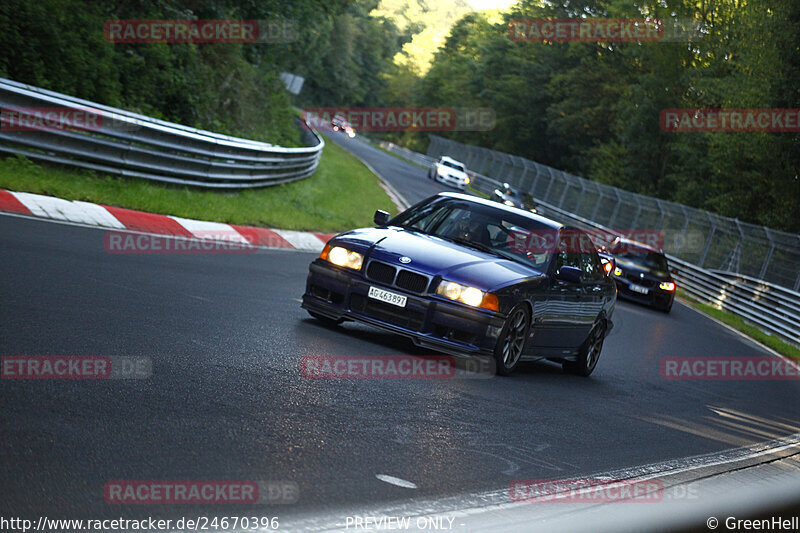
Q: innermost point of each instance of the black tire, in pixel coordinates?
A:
(329, 322)
(511, 342)
(589, 353)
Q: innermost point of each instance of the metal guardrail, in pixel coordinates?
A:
(771, 308)
(718, 242)
(128, 144)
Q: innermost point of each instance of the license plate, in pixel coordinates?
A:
(638, 288)
(386, 296)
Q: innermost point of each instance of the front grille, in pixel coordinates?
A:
(381, 272)
(411, 282)
(401, 278)
(640, 281)
(399, 316)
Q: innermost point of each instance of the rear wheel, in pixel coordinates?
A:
(588, 354)
(511, 343)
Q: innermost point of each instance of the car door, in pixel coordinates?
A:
(561, 318)
(594, 286)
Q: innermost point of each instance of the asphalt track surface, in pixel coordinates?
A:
(226, 399)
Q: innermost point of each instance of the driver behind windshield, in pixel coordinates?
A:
(471, 227)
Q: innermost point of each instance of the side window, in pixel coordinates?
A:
(567, 254)
(591, 266)
(566, 258)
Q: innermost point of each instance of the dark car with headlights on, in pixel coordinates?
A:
(642, 274)
(507, 195)
(464, 275)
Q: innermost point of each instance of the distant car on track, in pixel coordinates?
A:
(450, 172)
(642, 274)
(338, 123)
(456, 273)
(511, 197)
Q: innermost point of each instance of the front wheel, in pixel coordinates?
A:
(588, 354)
(511, 343)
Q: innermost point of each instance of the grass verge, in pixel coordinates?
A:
(342, 194)
(739, 324)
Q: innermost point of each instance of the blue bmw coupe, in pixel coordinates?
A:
(464, 275)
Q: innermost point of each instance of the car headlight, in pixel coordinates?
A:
(342, 257)
(618, 271)
(468, 295)
(466, 180)
(666, 286)
(508, 203)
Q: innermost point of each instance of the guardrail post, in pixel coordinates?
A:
(549, 186)
(702, 261)
(616, 208)
(661, 212)
(581, 195)
(599, 201)
(561, 200)
(638, 211)
(767, 257)
(683, 230)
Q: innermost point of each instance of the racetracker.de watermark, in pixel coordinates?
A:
(396, 367)
(595, 490)
(74, 367)
(404, 118)
(607, 30)
(139, 31)
(58, 119)
(590, 240)
(584, 30)
(767, 368)
(777, 120)
(170, 492)
(212, 242)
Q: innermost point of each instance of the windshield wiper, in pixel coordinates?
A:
(477, 245)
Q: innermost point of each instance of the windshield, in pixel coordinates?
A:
(453, 165)
(508, 235)
(650, 260)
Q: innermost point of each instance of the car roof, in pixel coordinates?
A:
(636, 244)
(496, 205)
(446, 158)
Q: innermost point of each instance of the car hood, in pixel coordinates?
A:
(437, 257)
(649, 273)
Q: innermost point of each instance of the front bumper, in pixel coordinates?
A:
(428, 321)
(655, 297)
(460, 183)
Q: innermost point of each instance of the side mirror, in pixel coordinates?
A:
(569, 274)
(381, 217)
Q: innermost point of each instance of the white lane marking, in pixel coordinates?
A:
(396, 481)
(301, 240)
(210, 230)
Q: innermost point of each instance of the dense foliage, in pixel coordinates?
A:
(593, 108)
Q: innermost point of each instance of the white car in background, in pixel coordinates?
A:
(450, 172)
